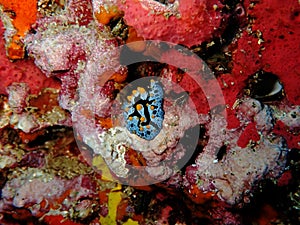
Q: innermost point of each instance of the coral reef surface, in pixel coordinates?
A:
(149, 112)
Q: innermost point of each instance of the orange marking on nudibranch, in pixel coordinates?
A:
(143, 119)
(139, 106)
(141, 90)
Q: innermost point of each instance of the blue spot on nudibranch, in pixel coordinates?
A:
(143, 110)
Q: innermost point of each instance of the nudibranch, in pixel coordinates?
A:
(143, 110)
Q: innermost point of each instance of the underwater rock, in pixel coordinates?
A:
(227, 172)
(67, 51)
(43, 192)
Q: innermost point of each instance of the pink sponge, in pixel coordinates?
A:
(272, 45)
(187, 22)
(23, 71)
(281, 36)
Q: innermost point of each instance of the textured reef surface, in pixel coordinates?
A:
(149, 112)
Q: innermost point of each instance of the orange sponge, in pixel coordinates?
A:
(23, 15)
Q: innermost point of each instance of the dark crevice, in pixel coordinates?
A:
(188, 141)
(221, 152)
(142, 69)
(264, 86)
(49, 134)
(215, 52)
